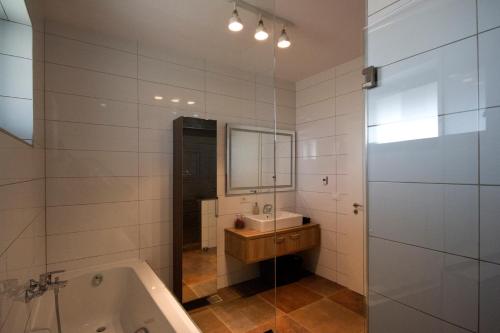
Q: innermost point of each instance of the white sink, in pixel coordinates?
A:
(265, 222)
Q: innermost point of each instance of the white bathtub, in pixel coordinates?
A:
(130, 296)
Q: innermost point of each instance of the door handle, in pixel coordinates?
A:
(357, 207)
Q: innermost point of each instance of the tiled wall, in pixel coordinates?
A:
(22, 191)
(330, 113)
(109, 145)
(433, 166)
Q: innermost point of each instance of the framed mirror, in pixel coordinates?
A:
(250, 163)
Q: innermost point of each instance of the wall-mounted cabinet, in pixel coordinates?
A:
(251, 163)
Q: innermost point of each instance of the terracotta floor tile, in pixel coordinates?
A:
(326, 316)
(291, 297)
(244, 314)
(282, 324)
(320, 285)
(351, 300)
(208, 322)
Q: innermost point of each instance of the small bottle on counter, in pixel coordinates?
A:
(239, 223)
(256, 209)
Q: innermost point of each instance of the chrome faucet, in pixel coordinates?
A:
(268, 209)
(45, 282)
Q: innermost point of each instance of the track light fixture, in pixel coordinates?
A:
(261, 33)
(235, 23)
(284, 41)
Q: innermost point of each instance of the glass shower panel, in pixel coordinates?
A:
(432, 166)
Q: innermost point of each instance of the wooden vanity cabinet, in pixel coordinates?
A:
(250, 246)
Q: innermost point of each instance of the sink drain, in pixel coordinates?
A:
(101, 329)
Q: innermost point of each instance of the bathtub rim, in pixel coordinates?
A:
(168, 305)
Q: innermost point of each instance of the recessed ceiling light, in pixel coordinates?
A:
(158, 98)
(261, 33)
(284, 41)
(175, 100)
(235, 23)
(191, 102)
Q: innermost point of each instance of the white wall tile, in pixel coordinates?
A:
(91, 84)
(489, 151)
(155, 141)
(489, 68)
(316, 147)
(75, 53)
(148, 91)
(79, 245)
(158, 187)
(348, 83)
(444, 149)
(61, 191)
(316, 129)
(442, 285)
(350, 103)
(488, 14)
(168, 73)
(89, 110)
(354, 65)
(155, 164)
(62, 135)
(316, 93)
(388, 316)
(92, 37)
(315, 79)
(170, 55)
(225, 85)
(315, 111)
(489, 297)
(154, 234)
(285, 97)
(376, 5)
(157, 256)
(323, 165)
(388, 31)
(21, 164)
(155, 210)
(435, 216)
(438, 82)
(490, 230)
(229, 106)
(75, 163)
(67, 219)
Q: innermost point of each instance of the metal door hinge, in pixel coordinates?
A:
(371, 77)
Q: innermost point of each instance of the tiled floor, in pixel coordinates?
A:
(199, 273)
(311, 305)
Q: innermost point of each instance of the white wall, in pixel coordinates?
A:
(433, 166)
(109, 145)
(330, 120)
(22, 191)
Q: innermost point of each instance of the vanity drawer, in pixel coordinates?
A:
(251, 246)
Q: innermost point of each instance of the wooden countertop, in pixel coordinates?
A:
(251, 233)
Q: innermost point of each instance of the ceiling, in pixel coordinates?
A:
(326, 32)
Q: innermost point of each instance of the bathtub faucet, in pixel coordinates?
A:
(38, 288)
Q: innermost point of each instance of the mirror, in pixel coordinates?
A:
(16, 73)
(195, 208)
(250, 159)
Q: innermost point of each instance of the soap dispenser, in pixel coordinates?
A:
(255, 209)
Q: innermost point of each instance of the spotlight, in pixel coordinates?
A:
(284, 41)
(235, 23)
(261, 33)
